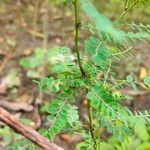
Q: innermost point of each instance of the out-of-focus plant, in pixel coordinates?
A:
(12, 141)
(75, 73)
(34, 63)
(138, 141)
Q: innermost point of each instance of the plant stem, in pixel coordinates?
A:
(125, 12)
(76, 38)
(90, 116)
(99, 139)
(127, 4)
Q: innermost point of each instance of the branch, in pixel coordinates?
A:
(76, 38)
(15, 106)
(125, 12)
(27, 131)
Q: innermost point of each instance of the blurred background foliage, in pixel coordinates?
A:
(110, 8)
(29, 13)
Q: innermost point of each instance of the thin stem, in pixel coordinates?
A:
(107, 73)
(99, 139)
(120, 53)
(127, 4)
(125, 12)
(76, 38)
(90, 116)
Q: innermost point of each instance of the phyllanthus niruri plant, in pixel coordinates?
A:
(103, 104)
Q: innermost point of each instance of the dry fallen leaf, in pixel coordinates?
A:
(69, 138)
(143, 73)
(27, 51)
(24, 98)
(66, 137)
(85, 102)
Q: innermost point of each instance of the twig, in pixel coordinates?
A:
(27, 131)
(35, 34)
(99, 139)
(5, 60)
(91, 124)
(120, 53)
(77, 25)
(108, 71)
(125, 12)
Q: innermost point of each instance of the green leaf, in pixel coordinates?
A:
(100, 54)
(144, 146)
(141, 132)
(54, 106)
(45, 83)
(39, 53)
(104, 27)
(106, 146)
(103, 24)
(54, 88)
(129, 78)
(34, 61)
(62, 59)
(50, 117)
(104, 94)
(73, 116)
(82, 146)
(147, 80)
(61, 119)
(93, 100)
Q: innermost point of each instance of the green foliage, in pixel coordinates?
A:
(109, 109)
(8, 136)
(104, 108)
(140, 27)
(34, 61)
(106, 30)
(23, 145)
(100, 54)
(62, 60)
(48, 83)
(138, 141)
(59, 57)
(109, 113)
(63, 115)
(129, 78)
(60, 120)
(147, 80)
(62, 111)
